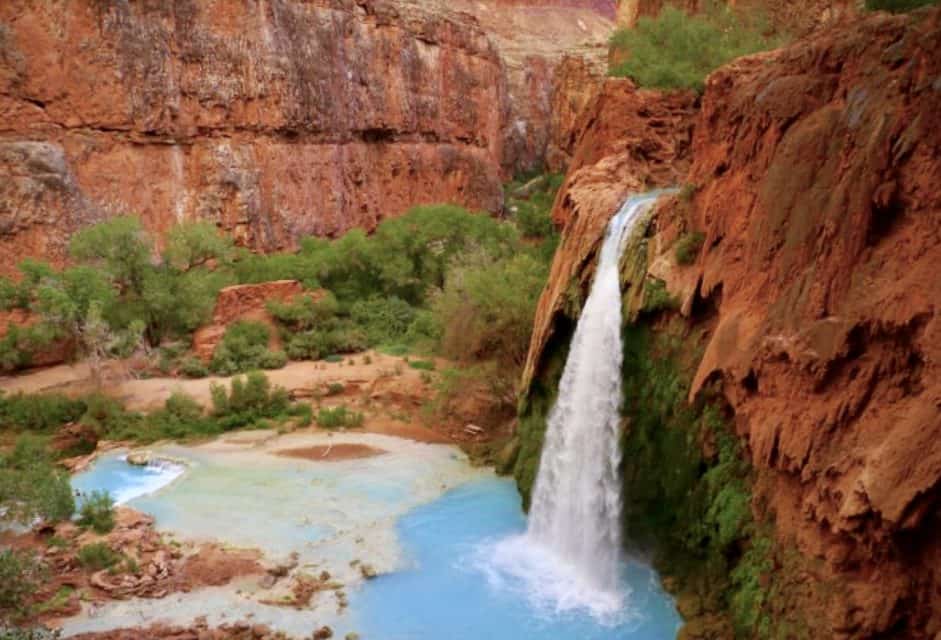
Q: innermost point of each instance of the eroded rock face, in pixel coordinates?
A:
(817, 170)
(625, 141)
(815, 180)
(275, 119)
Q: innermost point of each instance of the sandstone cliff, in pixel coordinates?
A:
(273, 119)
(814, 180)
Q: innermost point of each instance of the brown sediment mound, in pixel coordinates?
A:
(147, 567)
(339, 451)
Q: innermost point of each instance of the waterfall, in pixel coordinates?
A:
(570, 555)
(576, 508)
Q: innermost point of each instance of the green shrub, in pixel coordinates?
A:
(19, 344)
(486, 308)
(897, 6)
(335, 388)
(339, 418)
(657, 297)
(31, 486)
(243, 347)
(688, 247)
(38, 412)
(422, 365)
(383, 319)
(308, 345)
(248, 400)
(304, 414)
(677, 51)
(333, 358)
(273, 359)
(110, 419)
(20, 575)
(97, 556)
(193, 367)
(97, 512)
(305, 312)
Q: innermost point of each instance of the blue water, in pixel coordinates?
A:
(125, 482)
(452, 585)
(446, 592)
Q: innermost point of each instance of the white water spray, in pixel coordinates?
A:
(571, 553)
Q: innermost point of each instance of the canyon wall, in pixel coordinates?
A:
(272, 119)
(811, 310)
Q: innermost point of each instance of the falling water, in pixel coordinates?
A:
(571, 553)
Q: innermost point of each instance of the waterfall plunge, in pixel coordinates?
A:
(570, 556)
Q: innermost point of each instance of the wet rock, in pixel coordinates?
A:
(140, 458)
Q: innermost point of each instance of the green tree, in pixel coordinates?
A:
(194, 244)
(120, 246)
(486, 308)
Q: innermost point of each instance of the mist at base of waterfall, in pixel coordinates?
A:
(474, 575)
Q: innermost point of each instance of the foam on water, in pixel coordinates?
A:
(126, 482)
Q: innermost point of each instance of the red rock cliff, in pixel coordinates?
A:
(815, 180)
(273, 119)
(818, 170)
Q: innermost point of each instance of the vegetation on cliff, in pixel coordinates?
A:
(898, 6)
(676, 50)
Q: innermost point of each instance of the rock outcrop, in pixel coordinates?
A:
(273, 120)
(817, 172)
(244, 302)
(814, 181)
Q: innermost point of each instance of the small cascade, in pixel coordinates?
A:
(570, 556)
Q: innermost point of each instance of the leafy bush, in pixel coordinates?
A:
(486, 308)
(383, 319)
(97, 556)
(688, 247)
(339, 418)
(897, 6)
(305, 312)
(97, 512)
(243, 347)
(20, 575)
(248, 400)
(31, 486)
(38, 412)
(677, 51)
(193, 367)
(657, 297)
(273, 359)
(309, 345)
